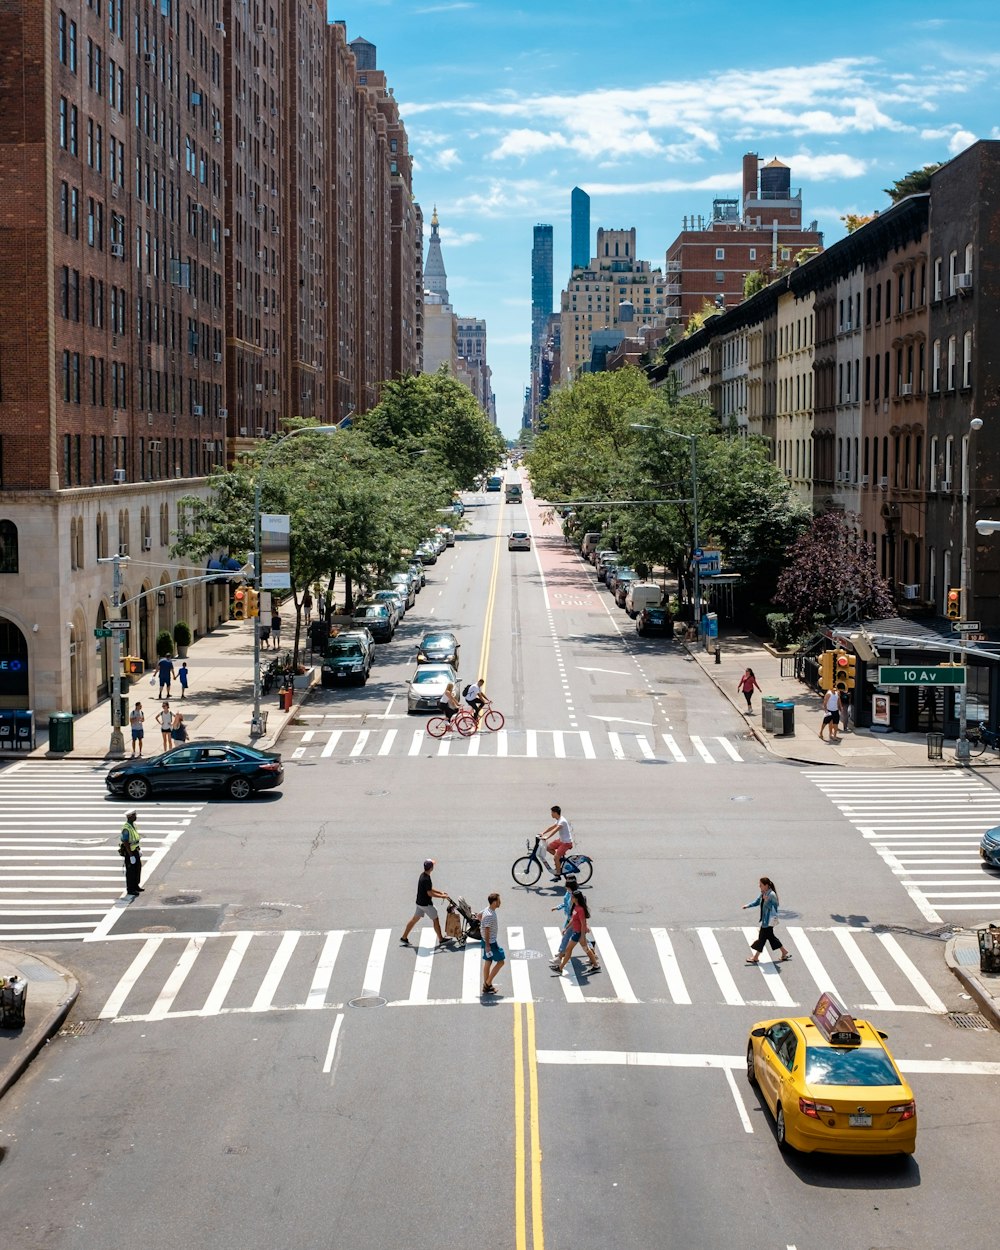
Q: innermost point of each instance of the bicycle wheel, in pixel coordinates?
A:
(583, 869)
(526, 870)
(465, 723)
(493, 720)
(437, 726)
(977, 743)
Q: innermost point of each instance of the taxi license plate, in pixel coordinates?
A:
(859, 1121)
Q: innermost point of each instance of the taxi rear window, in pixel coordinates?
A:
(828, 1065)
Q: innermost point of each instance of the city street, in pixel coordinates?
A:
(254, 1060)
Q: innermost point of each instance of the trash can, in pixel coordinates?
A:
(24, 730)
(285, 700)
(784, 720)
(989, 949)
(61, 731)
(8, 740)
(13, 997)
(123, 705)
(935, 746)
(767, 712)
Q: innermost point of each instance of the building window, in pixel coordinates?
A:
(967, 359)
(951, 362)
(786, 253)
(952, 271)
(720, 253)
(936, 365)
(9, 562)
(753, 253)
(938, 264)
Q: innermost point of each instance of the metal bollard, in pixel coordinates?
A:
(718, 654)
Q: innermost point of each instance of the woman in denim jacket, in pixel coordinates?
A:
(767, 900)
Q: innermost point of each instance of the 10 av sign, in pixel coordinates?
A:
(917, 675)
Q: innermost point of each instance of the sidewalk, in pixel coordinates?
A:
(219, 702)
(51, 991)
(859, 748)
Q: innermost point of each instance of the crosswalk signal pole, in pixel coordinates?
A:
(117, 748)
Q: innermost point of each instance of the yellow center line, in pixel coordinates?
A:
(520, 1227)
(484, 654)
(537, 1230)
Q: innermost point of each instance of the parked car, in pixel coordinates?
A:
(608, 562)
(230, 767)
(378, 618)
(426, 687)
(438, 647)
(654, 620)
(416, 567)
(641, 595)
(348, 657)
(597, 556)
(590, 543)
(427, 553)
(615, 573)
(622, 585)
(448, 534)
(407, 584)
(458, 508)
(395, 601)
(519, 540)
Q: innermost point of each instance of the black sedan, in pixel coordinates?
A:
(654, 621)
(438, 647)
(230, 767)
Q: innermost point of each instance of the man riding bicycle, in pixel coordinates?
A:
(562, 842)
(475, 698)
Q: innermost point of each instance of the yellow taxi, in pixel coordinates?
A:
(832, 1084)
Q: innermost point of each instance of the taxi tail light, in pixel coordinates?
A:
(269, 768)
(905, 1110)
(814, 1109)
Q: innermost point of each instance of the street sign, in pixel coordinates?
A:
(102, 633)
(967, 627)
(920, 675)
(120, 626)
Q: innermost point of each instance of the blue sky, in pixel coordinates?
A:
(649, 106)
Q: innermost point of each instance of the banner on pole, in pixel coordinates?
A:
(275, 566)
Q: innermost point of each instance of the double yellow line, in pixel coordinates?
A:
(491, 597)
(527, 1153)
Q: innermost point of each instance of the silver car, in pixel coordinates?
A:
(426, 687)
(406, 584)
(393, 598)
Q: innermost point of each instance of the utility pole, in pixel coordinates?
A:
(117, 747)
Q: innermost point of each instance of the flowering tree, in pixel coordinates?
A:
(830, 572)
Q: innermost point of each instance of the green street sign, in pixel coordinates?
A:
(920, 675)
(102, 633)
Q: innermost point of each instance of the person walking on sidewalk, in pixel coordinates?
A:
(182, 677)
(767, 901)
(831, 709)
(128, 849)
(178, 730)
(494, 955)
(166, 720)
(748, 683)
(137, 720)
(166, 674)
(426, 894)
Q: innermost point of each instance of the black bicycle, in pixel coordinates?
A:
(528, 868)
(980, 737)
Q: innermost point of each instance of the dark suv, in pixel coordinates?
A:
(348, 657)
(377, 618)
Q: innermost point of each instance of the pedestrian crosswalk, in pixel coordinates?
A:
(174, 976)
(60, 872)
(926, 827)
(324, 738)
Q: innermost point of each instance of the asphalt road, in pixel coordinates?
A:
(255, 1061)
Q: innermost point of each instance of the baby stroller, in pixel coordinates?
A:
(461, 922)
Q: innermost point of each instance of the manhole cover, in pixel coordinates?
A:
(254, 914)
(180, 900)
(79, 1028)
(652, 761)
(967, 1020)
(370, 1000)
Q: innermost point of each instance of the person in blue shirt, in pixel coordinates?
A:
(767, 901)
(566, 907)
(165, 671)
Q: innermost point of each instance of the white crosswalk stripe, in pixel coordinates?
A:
(324, 739)
(210, 974)
(60, 873)
(927, 828)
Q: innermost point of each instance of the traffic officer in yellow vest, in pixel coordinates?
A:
(128, 849)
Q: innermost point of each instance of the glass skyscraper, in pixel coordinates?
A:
(579, 203)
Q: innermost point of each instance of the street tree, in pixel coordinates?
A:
(831, 574)
(910, 184)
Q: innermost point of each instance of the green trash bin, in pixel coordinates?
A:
(61, 731)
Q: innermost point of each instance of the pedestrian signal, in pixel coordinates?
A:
(826, 670)
(954, 608)
(843, 676)
(239, 604)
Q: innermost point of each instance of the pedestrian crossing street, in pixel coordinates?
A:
(180, 976)
(60, 872)
(927, 827)
(325, 739)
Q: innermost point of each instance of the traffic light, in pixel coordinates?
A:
(240, 604)
(253, 607)
(849, 672)
(954, 608)
(843, 676)
(826, 669)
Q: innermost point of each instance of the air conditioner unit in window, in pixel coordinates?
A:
(223, 413)
(220, 27)
(864, 480)
(261, 432)
(945, 484)
(906, 388)
(883, 482)
(149, 58)
(197, 411)
(147, 544)
(114, 191)
(910, 592)
(118, 249)
(963, 281)
(123, 549)
(118, 477)
(218, 358)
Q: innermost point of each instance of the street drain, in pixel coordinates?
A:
(359, 759)
(967, 1020)
(180, 900)
(79, 1028)
(370, 1000)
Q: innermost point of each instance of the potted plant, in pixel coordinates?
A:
(164, 644)
(182, 638)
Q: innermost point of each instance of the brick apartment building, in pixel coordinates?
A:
(762, 231)
(186, 258)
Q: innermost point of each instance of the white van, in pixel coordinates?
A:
(642, 595)
(589, 543)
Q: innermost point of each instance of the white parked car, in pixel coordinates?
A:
(426, 687)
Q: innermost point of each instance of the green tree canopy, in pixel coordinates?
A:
(916, 180)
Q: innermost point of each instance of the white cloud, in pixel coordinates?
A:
(520, 143)
(960, 140)
(444, 8)
(447, 158)
(821, 168)
(458, 238)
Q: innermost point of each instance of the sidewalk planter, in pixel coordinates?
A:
(182, 638)
(303, 681)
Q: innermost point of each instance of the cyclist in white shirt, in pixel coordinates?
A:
(562, 839)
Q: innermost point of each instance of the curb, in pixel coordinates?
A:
(986, 1002)
(39, 1035)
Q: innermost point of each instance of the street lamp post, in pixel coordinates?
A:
(962, 745)
(692, 440)
(304, 429)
